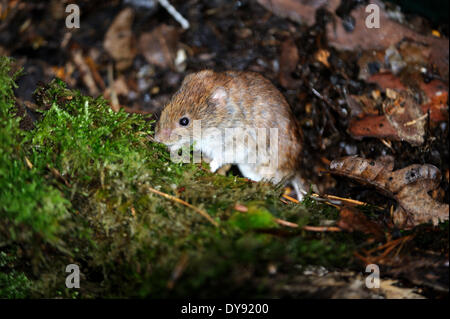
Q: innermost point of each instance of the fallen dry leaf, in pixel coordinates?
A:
(322, 56)
(119, 40)
(159, 47)
(299, 11)
(361, 37)
(390, 33)
(409, 186)
(403, 119)
(435, 94)
(406, 117)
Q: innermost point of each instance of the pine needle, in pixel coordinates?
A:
(180, 201)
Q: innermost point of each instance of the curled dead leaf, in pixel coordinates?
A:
(409, 186)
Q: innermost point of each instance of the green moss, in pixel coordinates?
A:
(257, 217)
(30, 207)
(13, 284)
(86, 201)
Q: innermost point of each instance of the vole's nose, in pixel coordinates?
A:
(162, 135)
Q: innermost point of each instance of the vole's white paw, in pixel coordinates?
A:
(299, 188)
(300, 196)
(214, 165)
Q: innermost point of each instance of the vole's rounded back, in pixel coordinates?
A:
(234, 99)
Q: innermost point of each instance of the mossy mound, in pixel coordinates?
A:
(74, 190)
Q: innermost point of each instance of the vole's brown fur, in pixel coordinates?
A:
(247, 100)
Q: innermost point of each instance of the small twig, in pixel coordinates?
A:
(327, 198)
(94, 70)
(322, 228)
(57, 174)
(327, 102)
(29, 164)
(244, 209)
(86, 74)
(289, 198)
(175, 14)
(390, 244)
(241, 208)
(346, 200)
(317, 198)
(285, 223)
(416, 120)
(388, 248)
(176, 199)
(115, 105)
(178, 271)
(388, 144)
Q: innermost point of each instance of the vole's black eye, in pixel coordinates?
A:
(184, 121)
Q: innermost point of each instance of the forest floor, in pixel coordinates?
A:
(82, 184)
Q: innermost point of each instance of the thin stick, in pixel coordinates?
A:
(322, 228)
(416, 120)
(332, 197)
(315, 197)
(348, 200)
(176, 199)
(388, 144)
(175, 14)
(291, 199)
(244, 209)
(29, 164)
(285, 223)
(114, 99)
(178, 271)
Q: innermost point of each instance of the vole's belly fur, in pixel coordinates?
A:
(252, 166)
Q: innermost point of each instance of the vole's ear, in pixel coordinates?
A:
(188, 78)
(197, 75)
(219, 97)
